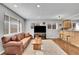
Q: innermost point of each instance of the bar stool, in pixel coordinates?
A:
(61, 35)
(67, 37)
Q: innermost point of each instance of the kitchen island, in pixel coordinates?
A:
(70, 36)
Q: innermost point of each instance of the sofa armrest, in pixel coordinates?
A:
(12, 44)
(13, 47)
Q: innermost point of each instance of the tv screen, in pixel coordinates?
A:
(40, 29)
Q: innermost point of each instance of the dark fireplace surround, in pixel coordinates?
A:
(40, 30)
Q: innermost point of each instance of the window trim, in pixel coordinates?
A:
(9, 30)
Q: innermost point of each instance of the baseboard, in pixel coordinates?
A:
(1, 52)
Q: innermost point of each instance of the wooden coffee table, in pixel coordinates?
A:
(37, 43)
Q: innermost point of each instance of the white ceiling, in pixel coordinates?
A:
(46, 10)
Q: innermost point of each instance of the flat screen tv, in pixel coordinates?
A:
(40, 29)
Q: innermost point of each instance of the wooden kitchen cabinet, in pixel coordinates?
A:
(66, 24)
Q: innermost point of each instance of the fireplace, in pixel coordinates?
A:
(40, 30)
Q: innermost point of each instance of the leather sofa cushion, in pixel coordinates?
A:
(12, 43)
(25, 41)
(5, 39)
(19, 37)
(23, 35)
(27, 35)
(13, 38)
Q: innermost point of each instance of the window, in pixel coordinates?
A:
(6, 24)
(54, 26)
(74, 25)
(49, 26)
(12, 25)
(77, 26)
(20, 28)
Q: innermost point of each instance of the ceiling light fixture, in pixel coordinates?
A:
(38, 6)
(15, 6)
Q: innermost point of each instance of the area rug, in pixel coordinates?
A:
(48, 47)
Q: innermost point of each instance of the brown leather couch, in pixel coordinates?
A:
(16, 44)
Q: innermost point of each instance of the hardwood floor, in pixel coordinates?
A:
(68, 48)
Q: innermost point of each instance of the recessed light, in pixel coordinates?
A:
(15, 6)
(38, 6)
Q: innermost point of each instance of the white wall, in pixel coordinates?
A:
(50, 33)
(3, 11)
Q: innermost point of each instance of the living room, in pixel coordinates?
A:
(54, 26)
